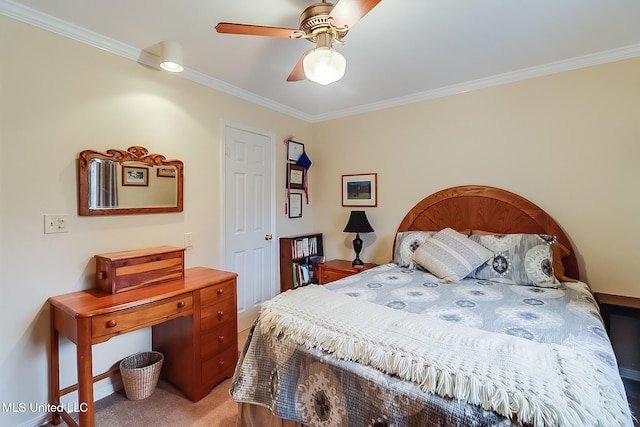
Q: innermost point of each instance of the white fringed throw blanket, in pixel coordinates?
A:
(529, 382)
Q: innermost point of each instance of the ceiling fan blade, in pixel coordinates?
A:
(346, 13)
(297, 73)
(256, 30)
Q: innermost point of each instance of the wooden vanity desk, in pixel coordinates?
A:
(194, 324)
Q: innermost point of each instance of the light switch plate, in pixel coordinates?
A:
(188, 240)
(55, 224)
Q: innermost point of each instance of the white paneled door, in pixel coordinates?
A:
(249, 248)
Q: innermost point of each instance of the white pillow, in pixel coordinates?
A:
(450, 255)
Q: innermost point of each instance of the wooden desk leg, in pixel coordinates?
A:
(54, 369)
(85, 374)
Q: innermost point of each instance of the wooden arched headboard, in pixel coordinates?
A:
(477, 207)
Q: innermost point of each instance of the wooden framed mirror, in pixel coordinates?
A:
(131, 181)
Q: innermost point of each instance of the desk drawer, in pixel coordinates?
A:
(214, 315)
(327, 276)
(216, 293)
(218, 339)
(107, 325)
(220, 366)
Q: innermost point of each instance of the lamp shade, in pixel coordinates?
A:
(171, 58)
(324, 65)
(358, 223)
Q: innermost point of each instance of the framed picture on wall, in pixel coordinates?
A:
(360, 190)
(135, 176)
(295, 177)
(294, 150)
(295, 205)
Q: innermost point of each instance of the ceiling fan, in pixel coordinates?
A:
(321, 23)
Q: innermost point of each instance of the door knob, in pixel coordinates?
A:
(268, 237)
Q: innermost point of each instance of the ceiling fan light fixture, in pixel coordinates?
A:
(171, 57)
(324, 65)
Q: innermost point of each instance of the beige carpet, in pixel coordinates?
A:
(168, 407)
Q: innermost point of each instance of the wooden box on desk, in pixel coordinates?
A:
(127, 270)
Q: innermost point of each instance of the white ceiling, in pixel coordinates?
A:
(402, 51)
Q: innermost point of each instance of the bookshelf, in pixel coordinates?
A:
(299, 257)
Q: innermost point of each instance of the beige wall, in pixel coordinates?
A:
(57, 98)
(569, 142)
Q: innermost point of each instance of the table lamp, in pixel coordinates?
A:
(358, 223)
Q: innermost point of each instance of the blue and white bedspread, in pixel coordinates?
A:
(320, 390)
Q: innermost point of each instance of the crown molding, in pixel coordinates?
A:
(66, 29)
(613, 55)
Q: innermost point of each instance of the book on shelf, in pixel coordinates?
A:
(301, 274)
(295, 275)
(313, 245)
(305, 274)
(304, 247)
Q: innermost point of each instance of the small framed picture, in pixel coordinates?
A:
(295, 177)
(294, 150)
(295, 205)
(166, 172)
(135, 176)
(360, 190)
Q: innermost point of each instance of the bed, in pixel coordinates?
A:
(480, 320)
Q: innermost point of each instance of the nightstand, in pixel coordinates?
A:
(338, 269)
(616, 304)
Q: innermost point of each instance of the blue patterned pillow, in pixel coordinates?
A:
(519, 259)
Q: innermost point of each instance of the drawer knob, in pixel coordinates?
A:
(221, 339)
(221, 363)
(220, 314)
(220, 291)
(181, 304)
(112, 323)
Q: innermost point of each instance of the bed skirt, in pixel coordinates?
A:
(259, 416)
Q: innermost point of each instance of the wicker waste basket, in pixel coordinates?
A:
(140, 373)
